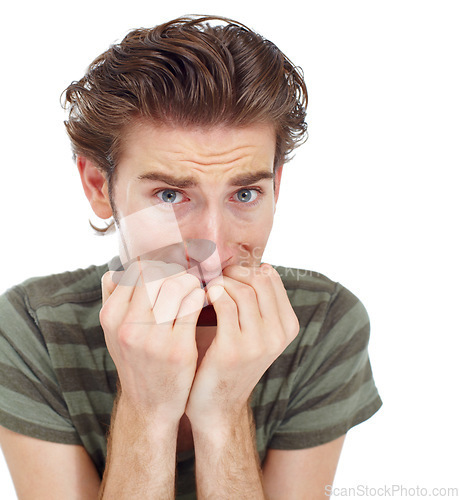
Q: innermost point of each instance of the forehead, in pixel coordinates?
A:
(151, 146)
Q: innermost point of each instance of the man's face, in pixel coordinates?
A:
(177, 185)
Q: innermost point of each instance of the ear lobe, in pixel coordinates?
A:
(95, 187)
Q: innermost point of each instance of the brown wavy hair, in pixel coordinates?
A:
(188, 72)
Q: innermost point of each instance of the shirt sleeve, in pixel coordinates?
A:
(31, 401)
(333, 388)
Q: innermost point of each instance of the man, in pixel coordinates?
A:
(192, 359)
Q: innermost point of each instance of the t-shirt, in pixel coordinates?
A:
(58, 381)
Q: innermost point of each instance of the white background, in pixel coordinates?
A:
(370, 200)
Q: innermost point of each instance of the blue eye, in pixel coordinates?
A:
(246, 195)
(169, 196)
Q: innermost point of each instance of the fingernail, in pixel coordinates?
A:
(214, 292)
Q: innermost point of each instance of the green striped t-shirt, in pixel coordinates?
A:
(58, 381)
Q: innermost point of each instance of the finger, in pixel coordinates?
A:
(260, 279)
(123, 290)
(170, 296)
(118, 296)
(189, 310)
(140, 308)
(152, 274)
(108, 286)
(245, 298)
(155, 269)
(225, 309)
(287, 315)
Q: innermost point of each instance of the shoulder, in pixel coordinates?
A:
(322, 305)
(295, 278)
(63, 298)
(49, 338)
(80, 285)
(322, 384)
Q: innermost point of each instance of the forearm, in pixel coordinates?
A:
(227, 462)
(141, 457)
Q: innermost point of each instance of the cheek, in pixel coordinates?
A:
(146, 230)
(252, 240)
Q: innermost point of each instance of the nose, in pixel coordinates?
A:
(214, 226)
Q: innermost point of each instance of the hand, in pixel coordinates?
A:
(255, 323)
(149, 320)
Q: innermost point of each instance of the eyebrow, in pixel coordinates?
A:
(251, 178)
(181, 182)
(187, 182)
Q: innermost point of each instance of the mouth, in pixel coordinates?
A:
(207, 317)
(205, 283)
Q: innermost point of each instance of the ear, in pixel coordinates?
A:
(95, 187)
(277, 180)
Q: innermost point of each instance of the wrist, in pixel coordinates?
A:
(219, 427)
(149, 421)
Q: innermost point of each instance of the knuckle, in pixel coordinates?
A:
(191, 280)
(227, 304)
(171, 286)
(195, 297)
(106, 278)
(105, 316)
(263, 279)
(130, 275)
(294, 327)
(247, 293)
(126, 336)
(291, 330)
(269, 272)
(273, 345)
(279, 346)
